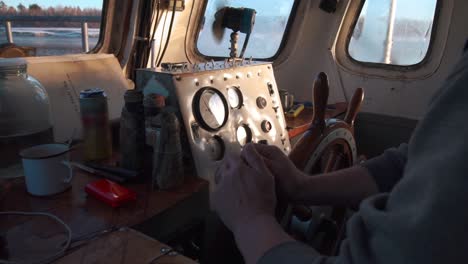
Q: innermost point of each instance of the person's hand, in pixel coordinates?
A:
(245, 189)
(289, 179)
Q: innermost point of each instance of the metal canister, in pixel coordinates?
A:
(96, 128)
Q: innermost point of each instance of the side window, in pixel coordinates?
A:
(268, 33)
(393, 32)
(45, 27)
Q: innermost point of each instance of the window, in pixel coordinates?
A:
(395, 32)
(47, 27)
(270, 25)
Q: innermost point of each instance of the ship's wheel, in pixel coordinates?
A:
(328, 145)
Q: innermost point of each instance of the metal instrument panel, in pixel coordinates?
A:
(223, 107)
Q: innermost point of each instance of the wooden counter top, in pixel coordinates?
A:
(85, 215)
(124, 246)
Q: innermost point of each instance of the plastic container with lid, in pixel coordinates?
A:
(24, 111)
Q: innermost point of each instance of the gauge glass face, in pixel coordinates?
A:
(235, 97)
(244, 135)
(212, 109)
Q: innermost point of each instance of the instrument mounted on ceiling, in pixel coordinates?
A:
(238, 20)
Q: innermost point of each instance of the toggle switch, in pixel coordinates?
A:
(270, 89)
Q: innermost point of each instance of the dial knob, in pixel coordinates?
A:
(261, 102)
(266, 126)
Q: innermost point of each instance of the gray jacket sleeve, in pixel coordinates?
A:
(423, 218)
(387, 169)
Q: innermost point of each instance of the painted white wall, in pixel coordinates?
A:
(318, 42)
(406, 92)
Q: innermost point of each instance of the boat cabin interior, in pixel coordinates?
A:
(117, 115)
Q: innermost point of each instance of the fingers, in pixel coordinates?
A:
(253, 159)
(222, 169)
(269, 152)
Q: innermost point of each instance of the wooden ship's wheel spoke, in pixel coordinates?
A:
(328, 145)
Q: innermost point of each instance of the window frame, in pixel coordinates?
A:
(282, 45)
(100, 43)
(102, 29)
(394, 67)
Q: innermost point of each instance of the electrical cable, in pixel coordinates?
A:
(140, 54)
(155, 22)
(146, 32)
(187, 30)
(162, 36)
(54, 256)
(168, 34)
(244, 47)
(158, 8)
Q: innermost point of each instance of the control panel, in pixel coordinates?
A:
(224, 106)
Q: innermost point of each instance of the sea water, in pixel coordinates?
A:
(51, 41)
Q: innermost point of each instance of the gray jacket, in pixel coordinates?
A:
(421, 216)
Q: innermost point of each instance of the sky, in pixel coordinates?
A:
(47, 3)
(407, 8)
(421, 9)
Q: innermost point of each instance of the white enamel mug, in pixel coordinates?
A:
(46, 170)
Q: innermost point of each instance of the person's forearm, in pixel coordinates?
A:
(258, 235)
(346, 187)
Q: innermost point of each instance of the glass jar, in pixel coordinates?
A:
(24, 111)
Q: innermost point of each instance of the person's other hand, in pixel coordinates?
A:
(289, 179)
(245, 189)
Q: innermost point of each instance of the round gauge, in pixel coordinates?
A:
(235, 97)
(244, 135)
(216, 148)
(210, 108)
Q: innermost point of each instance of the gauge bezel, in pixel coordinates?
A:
(221, 143)
(248, 134)
(196, 108)
(239, 94)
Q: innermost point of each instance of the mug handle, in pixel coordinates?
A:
(71, 173)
